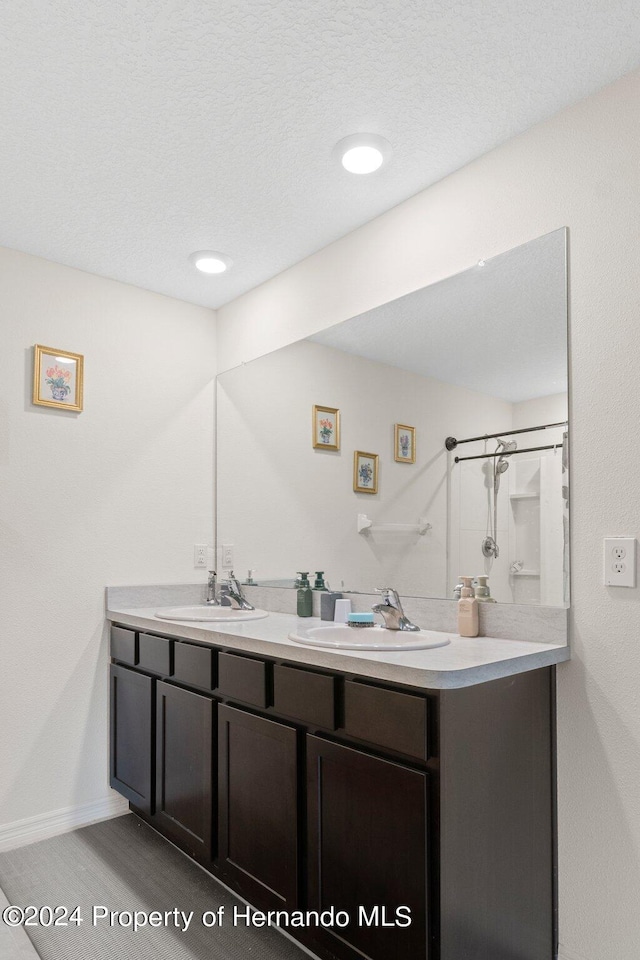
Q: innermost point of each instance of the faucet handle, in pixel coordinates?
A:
(391, 611)
(233, 591)
(389, 595)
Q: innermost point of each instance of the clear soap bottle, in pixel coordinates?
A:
(468, 624)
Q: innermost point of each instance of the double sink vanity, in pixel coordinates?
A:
(387, 783)
(404, 781)
(340, 636)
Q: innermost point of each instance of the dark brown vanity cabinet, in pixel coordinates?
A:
(425, 817)
(258, 808)
(131, 706)
(368, 828)
(184, 769)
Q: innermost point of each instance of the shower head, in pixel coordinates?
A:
(500, 465)
(508, 446)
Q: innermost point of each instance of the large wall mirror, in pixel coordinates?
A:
(480, 357)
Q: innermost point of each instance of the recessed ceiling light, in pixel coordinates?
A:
(209, 261)
(363, 152)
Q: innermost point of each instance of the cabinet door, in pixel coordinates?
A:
(367, 848)
(258, 808)
(184, 769)
(131, 747)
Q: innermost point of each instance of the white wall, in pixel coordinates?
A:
(116, 494)
(580, 169)
(531, 413)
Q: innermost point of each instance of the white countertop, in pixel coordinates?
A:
(464, 662)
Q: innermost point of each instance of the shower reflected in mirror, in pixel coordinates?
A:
(490, 543)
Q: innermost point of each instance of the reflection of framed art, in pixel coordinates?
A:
(57, 378)
(365, 472)
(404, 443)
(326, 428)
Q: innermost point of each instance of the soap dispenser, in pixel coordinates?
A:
(467, 610)
(483, 594)
(305, 597)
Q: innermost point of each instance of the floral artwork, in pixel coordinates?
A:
(365, 472)
(326, 428)
(405, 443)
(57, 378)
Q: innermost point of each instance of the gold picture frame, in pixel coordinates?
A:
(326, 428)
(57, 378)
(365, 472)
(404, 443)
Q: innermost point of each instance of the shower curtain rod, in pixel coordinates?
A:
(451, 443)
(483, 456)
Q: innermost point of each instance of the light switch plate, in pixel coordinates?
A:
(620, 562)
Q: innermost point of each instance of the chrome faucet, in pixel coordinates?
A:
(211, 596)
(233, 591)
(392, 612)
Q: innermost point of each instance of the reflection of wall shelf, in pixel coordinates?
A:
(524, 496)
(364, 524)
(525, 573)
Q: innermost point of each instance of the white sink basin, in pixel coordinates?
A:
(203, 613)
(368, 638)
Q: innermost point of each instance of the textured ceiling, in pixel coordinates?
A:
(499, 329)
(134, 133)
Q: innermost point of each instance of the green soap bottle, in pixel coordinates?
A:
(305, 598)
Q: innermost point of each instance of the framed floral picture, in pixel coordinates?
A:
(57, 378)
(404, 443)
(365, 472)
(326, 428)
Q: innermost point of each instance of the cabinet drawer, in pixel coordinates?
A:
(397, 721)
(154, 654)
(304, 695)
(124, 646)
(242, 679)
(194, 665)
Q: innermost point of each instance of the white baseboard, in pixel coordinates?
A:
(21, 832)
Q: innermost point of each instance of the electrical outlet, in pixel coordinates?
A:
(227, 555)
(620, 562)
(199, 554)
